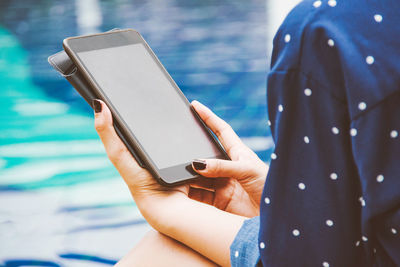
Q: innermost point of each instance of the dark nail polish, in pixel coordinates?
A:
(96, 105)
(199, 164)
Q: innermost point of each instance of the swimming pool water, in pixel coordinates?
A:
(61, 201)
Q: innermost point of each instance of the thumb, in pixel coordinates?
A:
(221, 168)
(115, 148)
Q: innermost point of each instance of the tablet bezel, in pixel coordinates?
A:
(167, 176)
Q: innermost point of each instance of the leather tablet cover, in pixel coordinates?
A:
(64, 65)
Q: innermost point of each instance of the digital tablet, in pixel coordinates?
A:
(149, 110)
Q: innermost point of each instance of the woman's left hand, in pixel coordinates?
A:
(146, 191)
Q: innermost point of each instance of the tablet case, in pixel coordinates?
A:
(64, 65)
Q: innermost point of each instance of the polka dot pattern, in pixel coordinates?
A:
(332, 3)
(327, 94)
(274, 156)
(362, 201)
(296, 232)
(262, 245)
(317, 4)
(287, 38)
(362, 106)
(302, 186)
(370, 60)
(380, 178)
(378, 18)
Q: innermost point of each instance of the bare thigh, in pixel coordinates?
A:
(156, 249)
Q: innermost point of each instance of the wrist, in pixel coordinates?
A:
(161, 212)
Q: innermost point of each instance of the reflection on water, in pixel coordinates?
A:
(61, 201)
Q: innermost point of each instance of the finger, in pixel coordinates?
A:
(221, 168)
(222, 130)
(202, 195)
(204, 183)
(115, 148)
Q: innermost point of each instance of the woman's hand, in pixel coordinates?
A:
(146, 191)
(170, 210)
(245, 167)
(223, 193)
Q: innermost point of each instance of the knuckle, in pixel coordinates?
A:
(224, 128)
(236, 150)
(219, 131)
(243, 151)
(99, 126)
(117, 153)
(207, 118)
(217, 169)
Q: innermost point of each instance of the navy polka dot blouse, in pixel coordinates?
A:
(332, 195)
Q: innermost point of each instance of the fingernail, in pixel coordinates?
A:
(96, 105)
(199, 164)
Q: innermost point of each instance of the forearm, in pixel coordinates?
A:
(202, 227)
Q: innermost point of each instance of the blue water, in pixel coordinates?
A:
(61, 201)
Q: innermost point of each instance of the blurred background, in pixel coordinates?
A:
(61, 201)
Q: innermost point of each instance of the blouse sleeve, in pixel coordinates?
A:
(244, 249)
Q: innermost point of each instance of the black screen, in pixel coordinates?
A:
(149, 104)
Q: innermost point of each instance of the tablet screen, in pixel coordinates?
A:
(149, 104)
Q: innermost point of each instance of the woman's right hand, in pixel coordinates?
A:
(170, 210)
(245, 167)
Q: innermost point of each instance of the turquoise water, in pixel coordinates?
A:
(61, 201)
(44, 142)
(59, 194)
